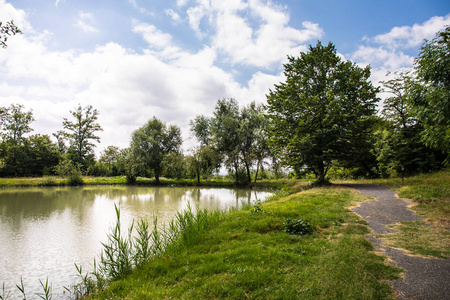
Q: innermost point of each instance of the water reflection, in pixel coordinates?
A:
(43, 231)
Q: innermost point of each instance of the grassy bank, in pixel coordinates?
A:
(90, 180)
(246, 254)
(430, 194)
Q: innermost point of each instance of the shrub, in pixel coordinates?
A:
(71, 171)
(296, 226)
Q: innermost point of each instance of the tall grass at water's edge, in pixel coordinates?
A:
(123, 252)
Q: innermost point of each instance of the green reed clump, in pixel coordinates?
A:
(122, 254)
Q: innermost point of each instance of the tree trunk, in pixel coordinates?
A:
(257, 169)
(157, 177)
(249, 176)
(320, 173)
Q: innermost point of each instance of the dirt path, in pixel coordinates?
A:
(424, 278)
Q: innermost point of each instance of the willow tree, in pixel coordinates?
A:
(151, 143)
(322, 112)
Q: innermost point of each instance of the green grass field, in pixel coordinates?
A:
(247, 255)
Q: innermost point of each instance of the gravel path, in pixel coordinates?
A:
(424, 278)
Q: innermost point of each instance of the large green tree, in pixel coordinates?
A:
(82, 132)
(322, 112)
(151, 143)
(430, 93)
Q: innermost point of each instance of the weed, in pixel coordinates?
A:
(296, 226)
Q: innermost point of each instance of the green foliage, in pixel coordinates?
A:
(6, 31)
(14, 123)
(81, 132)
(237, 136)
(296, 226)
(35, 156)
(174, 165)
(431, 92)
(150, 144)
(69, 170)
(322, 113)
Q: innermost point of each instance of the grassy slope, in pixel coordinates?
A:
(248, 256)
(431, 194)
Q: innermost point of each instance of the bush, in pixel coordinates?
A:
(297, 226)
(71, 171)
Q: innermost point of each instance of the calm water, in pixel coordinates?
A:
(44, 231)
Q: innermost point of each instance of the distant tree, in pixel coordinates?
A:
(174, 165)
(203, 161)
(430, 92)
(60, 136)
(225, 127)
(253, 137)
(323, 111)
(81, 132)
(35, 156)
(108, 158)
(205, 158)
(151, 143)
(237, 135)
(6, 31)
(14, 122)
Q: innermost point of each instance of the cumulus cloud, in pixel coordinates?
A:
(391, 51)
(412, 36)
(83, 20)
(250, 33)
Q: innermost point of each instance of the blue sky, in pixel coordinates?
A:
(135, 59)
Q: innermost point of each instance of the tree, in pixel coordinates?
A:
(81, 133)
(109, 158)
(152, 142)
(35, 156)
(206, 157)
(6, 31)
(399, 147)
(225, 131)
(14, 122)
(430, 93)
(322, 112)
(174, 165)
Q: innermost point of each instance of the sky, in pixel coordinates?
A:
(133, 60)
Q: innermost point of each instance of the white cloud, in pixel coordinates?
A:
(412, 36)
(173, 15)
(381, 57)
(128, 88)
(195, 15)
(57, 2)
(389, 52)
(141, 9)
(154, 37)
(251, 33)
(82, 22)
(8, 13)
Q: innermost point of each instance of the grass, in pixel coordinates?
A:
(248, 255)
(431, 196)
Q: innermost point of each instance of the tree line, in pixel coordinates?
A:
(323, 119)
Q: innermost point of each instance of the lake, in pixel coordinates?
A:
(44, 231)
